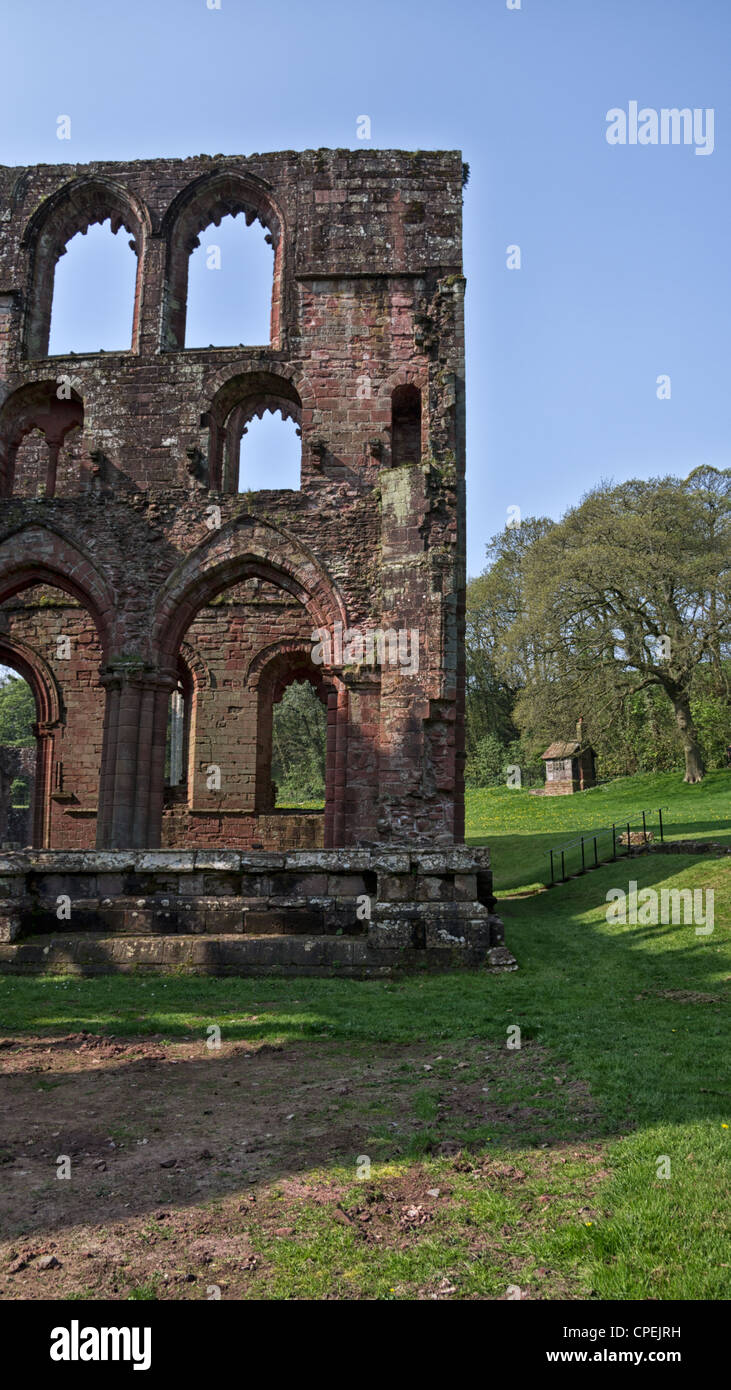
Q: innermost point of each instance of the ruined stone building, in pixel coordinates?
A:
(158, 611)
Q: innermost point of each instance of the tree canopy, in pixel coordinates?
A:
(17, 711)
(628, 593)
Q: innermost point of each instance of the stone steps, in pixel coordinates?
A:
(96, 953)
(345, 911)
(225, 917)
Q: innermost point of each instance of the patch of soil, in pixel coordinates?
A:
(681, 996)
(137, 1163)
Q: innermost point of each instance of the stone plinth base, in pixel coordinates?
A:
(359, 911)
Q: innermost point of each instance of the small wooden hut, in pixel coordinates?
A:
(570, 767)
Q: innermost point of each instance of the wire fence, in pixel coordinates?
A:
(605, 845)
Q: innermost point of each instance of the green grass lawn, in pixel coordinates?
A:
(623, 1075)
(520, 828)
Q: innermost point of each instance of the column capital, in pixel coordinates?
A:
(366, 679)
(126, 671)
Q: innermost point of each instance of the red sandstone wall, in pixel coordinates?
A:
(367, 299)
(40, 620)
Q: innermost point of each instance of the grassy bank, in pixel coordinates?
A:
(546, 1161)
(521, 828)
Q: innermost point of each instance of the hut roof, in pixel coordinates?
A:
(562, 750)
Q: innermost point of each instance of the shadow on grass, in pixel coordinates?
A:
(146, 1130)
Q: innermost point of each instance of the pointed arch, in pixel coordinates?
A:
(41, 555)
(271, 671)
(36, 406)
(245, 548)
(405, 392)
(207, 200)
(74, 208)
(239, 400)
(49, 715)
(37, 672)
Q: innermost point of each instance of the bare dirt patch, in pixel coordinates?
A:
(181, 1157)
(681, 996)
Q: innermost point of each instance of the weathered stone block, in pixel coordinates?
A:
(390, 934)
(10, 922)
(395, 887)
(346, 886)
(172, 861)
(12, 886)
(465, 887)
(294, 885)
(223, 859)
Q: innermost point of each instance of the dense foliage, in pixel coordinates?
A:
(17, 711)
(619, 614)
(298, 745)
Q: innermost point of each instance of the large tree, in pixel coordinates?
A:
(496, 667)
(629, 590)
(17, 709)
(299, 734)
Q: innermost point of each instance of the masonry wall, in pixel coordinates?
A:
(134, 519)
(62, 634)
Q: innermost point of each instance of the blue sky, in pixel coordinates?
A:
(625, 264)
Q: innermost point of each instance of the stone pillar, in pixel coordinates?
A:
(133, 756)
(404, 792)
(40, 792)
(148, 296)
(54, 448)
(361, 759)
(157, 721)
(8, 763)
(177, 730)
(341, 745)
(330, 754)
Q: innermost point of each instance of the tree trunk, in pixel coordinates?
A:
(694, 768)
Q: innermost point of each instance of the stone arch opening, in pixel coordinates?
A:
(40, 570)
(34, 763)
(51, 639)
(229, 290)
(35, 426)
(177, 736)
(193, 676)
(39, 555)
(74, 208)
(247, 548)
(229, 748)
(92, 308)
(227, 610)
(274, 672)
(246, 397)
(270, 453)
(205, 203)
